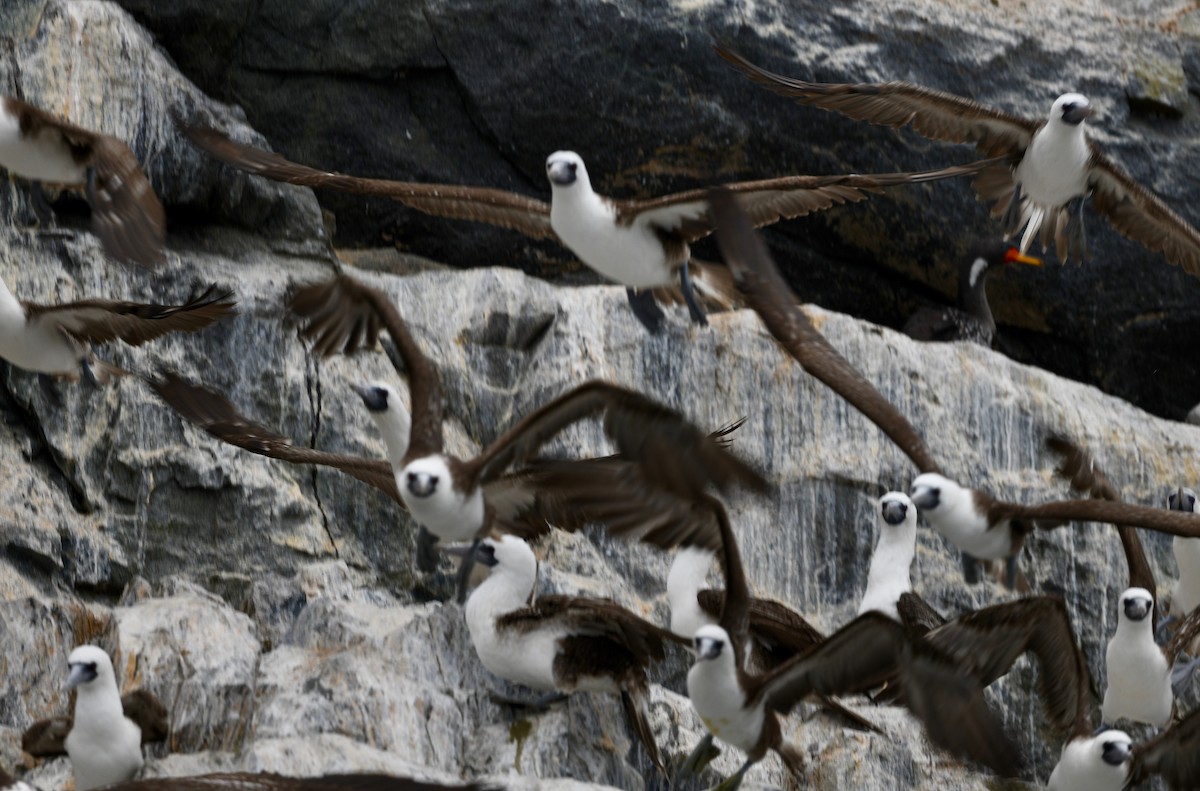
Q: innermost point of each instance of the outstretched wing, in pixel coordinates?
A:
(135, 323)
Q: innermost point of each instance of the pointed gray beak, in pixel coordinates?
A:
(1116, 753)
(561, 172)
(924, 497)
(1076, 114)
(80, 674)
(894, 512)
(708, 648)
(374, 398)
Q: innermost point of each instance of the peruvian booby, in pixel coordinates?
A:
(104, 745)
(758, 280)
(560, 644)
(267, 781)
(971, 319)
(53, 339)
(642, 244)
(126, 214)
(1139, 672)
(1186, 596)
(447, 495)
(888, 576)
(1051, 162)
(47, 737)
(985, 528)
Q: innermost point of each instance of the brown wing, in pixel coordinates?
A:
(916, 614)
(209, 410)
(477, 204)
(126, 214)
(345, 315)
(1174, 755)
(595, 618)
(135, 323)
(759, 281)
(771, 200)
(1184, 637)
(1054, 514)
(48, 737)
(248, 781)
(1079, 467)
(672, 454)
(935, 114)
(987, 642)
(1142, 216)
(949, 702)
(777, 626)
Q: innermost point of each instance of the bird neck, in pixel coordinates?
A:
(687, 577)
(396, 427)
(97, 708)
(502, 592)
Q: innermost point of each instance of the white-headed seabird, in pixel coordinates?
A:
(560, 644)
(104, 745)
(1053, 163)
(971, 319)
(642, 244)
(888, 577)
(1186, 596)
(126, 214)
(48, 737)
(1139, 672)
(448, 495)
(53, 339)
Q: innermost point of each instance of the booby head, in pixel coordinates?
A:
(1182, 500)
(508, 554)
(931, 492)
(1071, 109)
(376, 396)
(711, 643)
(428, 477)
(89, 663)
(1136, 604)
(565, 168)
(896, 508)
(1113, 747)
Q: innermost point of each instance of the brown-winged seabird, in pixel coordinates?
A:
(1052, 163)
(46, 738)
(126, 214)
(447, 495)
(104, 745)
(642, 244)
(53, 339)
(560, 644)
(971, 319)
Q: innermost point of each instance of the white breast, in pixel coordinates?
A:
(1055, 166)
(888, 576)
(630, 255)
(1187, 590)
(42, 157)
(448, 514)
(962, 524)
(1139, 681)
(104, 752)
(717, 698)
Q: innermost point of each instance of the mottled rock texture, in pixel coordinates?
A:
(277, 611)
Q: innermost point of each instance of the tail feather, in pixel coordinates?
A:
(635, 700)
(713, 284)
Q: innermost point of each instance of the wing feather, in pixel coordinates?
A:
(135, 323)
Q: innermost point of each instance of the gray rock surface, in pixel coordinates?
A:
(472, 91)
(276, 610)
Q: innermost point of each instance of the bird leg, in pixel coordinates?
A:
(463, 577)
(427, 557)
(89, 187)
(689, 296)
(1076, 235)
(970, 569)
(1011, 566)
(646, 309)
(700, 757)
(735, 781)
(1012, 215)
(42, 210)
(537, 702)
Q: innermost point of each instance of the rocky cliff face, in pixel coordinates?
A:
(276, 610)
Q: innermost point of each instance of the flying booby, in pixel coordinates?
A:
(1051, 162)
(971, 319)
(266, 781)
(53, 339)
(447, 495)
(642, 244)
(560, 644)
(47, 737)
(1186, 596)
(126, 214)
(1110, 761)
(104, 745)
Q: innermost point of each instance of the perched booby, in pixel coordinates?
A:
(448, 495)
(266, 781)
(1186, 596)
(1110, 761)
(1139, 672)
(560, 643)
(988, 529)
(1051, 162)
(48, 737)
(54, 339)
(759, 281)
(104, 745)
(971, 320)
(642, 244)
(126, 214)
(888, 577)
